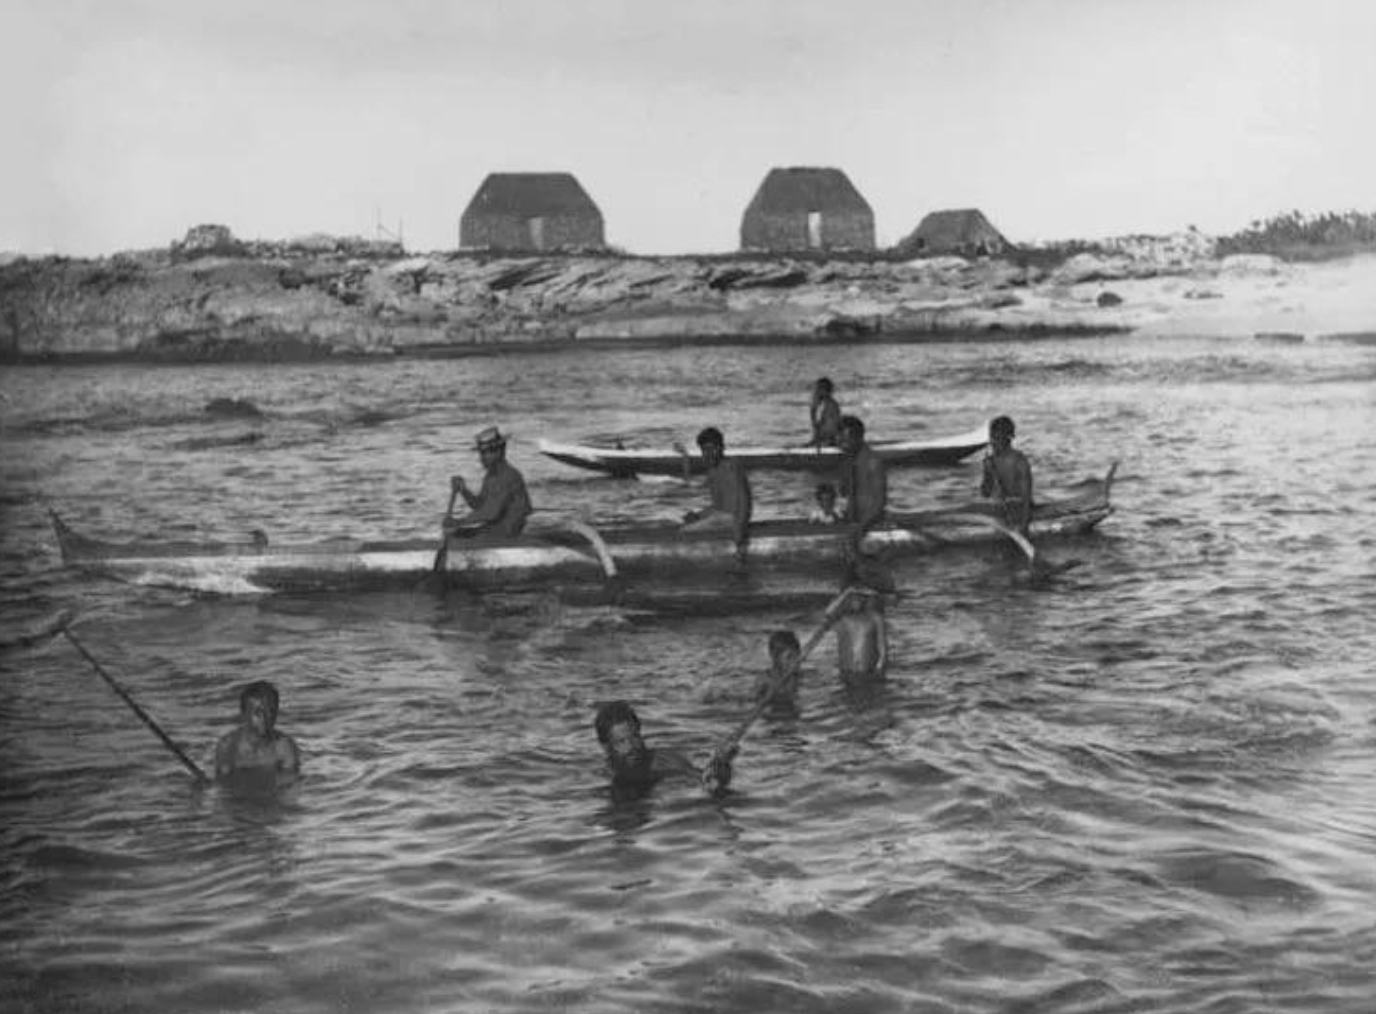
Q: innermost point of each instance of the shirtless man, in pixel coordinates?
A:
(729, 506)
(1007, 476)
(825, 414)
(636, 767)
(502, 505)
(862, 643)
(256, 745)
(864, 479)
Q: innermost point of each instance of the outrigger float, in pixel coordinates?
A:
(624, 462)
(573, 554)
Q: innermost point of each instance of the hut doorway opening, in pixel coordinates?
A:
(814, 230)
(535, 230)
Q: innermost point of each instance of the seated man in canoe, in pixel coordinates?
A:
(501, 505)
(864, 479)
(636, 768)
(826, 415)
(1007, 476)
(728, 488)
(257, 746)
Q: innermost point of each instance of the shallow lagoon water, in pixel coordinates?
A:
(1145, 787)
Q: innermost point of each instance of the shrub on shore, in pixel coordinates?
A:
(1295, 236)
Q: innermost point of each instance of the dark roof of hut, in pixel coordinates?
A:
(803, 188)
(954, 227)
(532, 194)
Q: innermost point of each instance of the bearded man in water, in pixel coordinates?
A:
(637, 768)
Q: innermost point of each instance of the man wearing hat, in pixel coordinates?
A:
(502, 505)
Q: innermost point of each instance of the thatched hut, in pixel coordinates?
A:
(965, 232)
(802, 208)
(531, 211)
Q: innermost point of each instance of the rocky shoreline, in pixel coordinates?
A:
(279, 303)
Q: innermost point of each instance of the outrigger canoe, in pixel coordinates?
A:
(624, 462)
(571, 555)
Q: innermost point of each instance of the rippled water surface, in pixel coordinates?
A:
(1147, 786)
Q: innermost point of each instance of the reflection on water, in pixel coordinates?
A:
(1144, 786)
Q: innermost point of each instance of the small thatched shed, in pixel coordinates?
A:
(965, 232)
(803, 208)
(531, 211)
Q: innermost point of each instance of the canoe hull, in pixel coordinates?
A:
(557, 557)
(626, 463)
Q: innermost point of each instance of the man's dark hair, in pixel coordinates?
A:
(824, 384)
(711, 435)
(259, 688)
(1002, 425)
(851, 422)
(781, 639)
(614, 713)
(826, 488)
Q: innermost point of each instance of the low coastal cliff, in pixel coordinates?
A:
(284, 303)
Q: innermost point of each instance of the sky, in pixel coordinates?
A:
(128, 121)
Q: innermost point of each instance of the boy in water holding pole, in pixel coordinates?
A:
(256, 745)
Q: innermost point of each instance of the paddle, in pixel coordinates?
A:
(442, 554)
(124, 694)
(728, 746)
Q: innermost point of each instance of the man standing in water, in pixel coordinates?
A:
(826, 415)
(502, 505)
(256, 745)
(862, 644)
(1008, 476)
(636, 767)
(729, 506)
(864, 479)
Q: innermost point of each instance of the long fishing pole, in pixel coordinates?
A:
(134, 706)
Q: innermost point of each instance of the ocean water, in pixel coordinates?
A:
(1146, 786)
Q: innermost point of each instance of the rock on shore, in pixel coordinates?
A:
(216, 298)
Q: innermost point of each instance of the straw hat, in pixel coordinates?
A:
(489, 438)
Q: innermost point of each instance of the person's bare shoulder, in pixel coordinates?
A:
(288, 753)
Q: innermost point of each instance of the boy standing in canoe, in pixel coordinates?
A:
(826, 415)
(1007, 476)
(501, 505)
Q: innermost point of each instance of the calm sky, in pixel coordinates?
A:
(129, 120)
